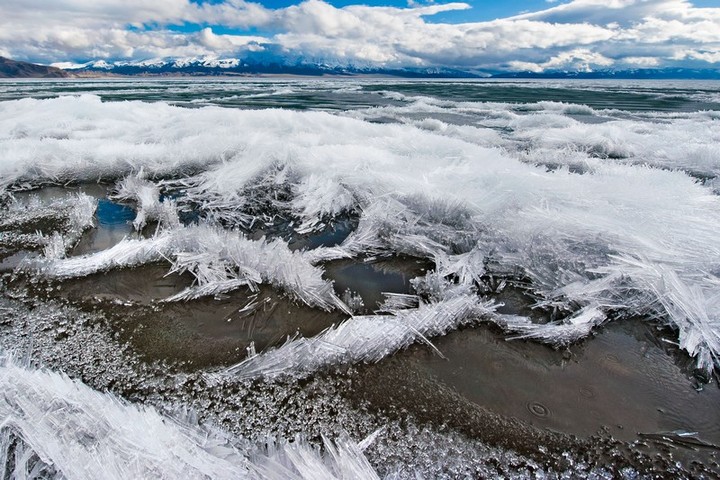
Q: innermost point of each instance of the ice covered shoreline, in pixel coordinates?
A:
(597, 221)
(619, 237)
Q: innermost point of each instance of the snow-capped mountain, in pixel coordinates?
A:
(272, 64)
(252, 65)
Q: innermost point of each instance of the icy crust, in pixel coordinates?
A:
(68, 430)
(220, 260)
(619, 238)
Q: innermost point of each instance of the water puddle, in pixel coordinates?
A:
(113, 223)
(622, 379)
(145, 285)
(203, 332)
(626, 382)
(621, 386)
(217, 331)
(111, 214)
(371, 279)
(332, 235)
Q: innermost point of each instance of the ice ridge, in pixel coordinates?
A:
(219, 260)
(363, 339)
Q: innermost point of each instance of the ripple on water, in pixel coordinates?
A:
(621, 381)
(538, 409)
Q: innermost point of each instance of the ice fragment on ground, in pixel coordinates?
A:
(363, 339)
(341, 459)
(561, 333)
(353, 300)
(399, 301)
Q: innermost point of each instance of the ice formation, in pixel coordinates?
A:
(597, 214)
(342, 459)
(615, 225)
(55, 227)
(146, 195)
(555, 133)
(87, 434)
(219, 260)
(52, 425)
(366, 339)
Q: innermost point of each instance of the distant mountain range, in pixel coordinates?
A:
(210, 66)
(266, 66)
(13, 69)
(299, 66)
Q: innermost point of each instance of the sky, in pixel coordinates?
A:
(528, 35)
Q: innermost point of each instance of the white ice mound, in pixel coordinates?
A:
(554, 133)
(81, 138)
(220, 260)
(691, 144)
(363, 339)
(80, 433)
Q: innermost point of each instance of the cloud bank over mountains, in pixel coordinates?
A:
(580, 35)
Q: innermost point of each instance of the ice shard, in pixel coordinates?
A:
(54, 427)
(218, 260)
(366, 339)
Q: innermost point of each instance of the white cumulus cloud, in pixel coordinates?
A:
(580, 34)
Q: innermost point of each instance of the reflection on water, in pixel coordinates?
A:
(113, 223)
(113, 214)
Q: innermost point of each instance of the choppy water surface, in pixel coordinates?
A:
(493, 278)
(343, 94)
